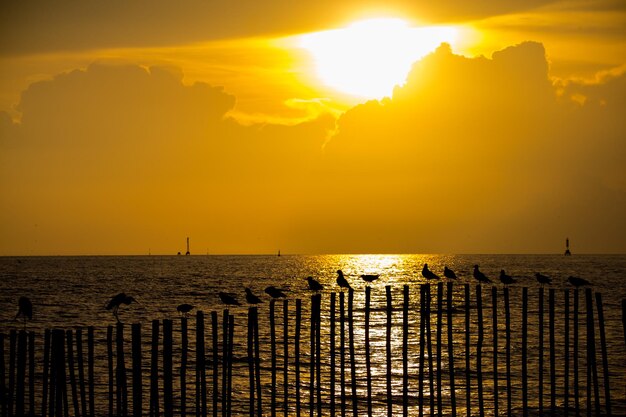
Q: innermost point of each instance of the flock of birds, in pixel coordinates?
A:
(26, 307)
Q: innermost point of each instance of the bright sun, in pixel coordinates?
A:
(370, 57)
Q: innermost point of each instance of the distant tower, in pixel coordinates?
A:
(187, 253)
(567, 252)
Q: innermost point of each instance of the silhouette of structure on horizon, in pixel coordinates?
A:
(567, 252)
(187, 253)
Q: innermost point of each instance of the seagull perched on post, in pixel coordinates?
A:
(228, 299)
(25, 309)
(578, 282)
(506, 279)
(542, 279)
(479, 275)
(448, 273)
(251, 298)
(369, 277)
(184, 309)
(342, 281)
(314, 285)
(117, 301)
(428, 274)
(275, 292)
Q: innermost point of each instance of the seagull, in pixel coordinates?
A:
(275, 292)
(25, 309)
(314, 285)
(117, 301)
(479, 275)
(251, 298)
(578, 282)
(228, 299)
(342, 281)
(369, 277)
(448, 273)
(428, 274)
(506, 279)
(184, 309)
(542, 279)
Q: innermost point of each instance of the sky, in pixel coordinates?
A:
(312, 127)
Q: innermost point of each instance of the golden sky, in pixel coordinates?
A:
(312, 127)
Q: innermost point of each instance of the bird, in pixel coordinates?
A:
(479, 275)
(251, 298)
(275, 292)
(115, 303)
(506, 279)
(542, 279)
(578, 282)
(228, 299)
(342, 281)
(369, 277)
(184, 309)
(25, 309)
(314, 285)
(448, 273)
(428, 274)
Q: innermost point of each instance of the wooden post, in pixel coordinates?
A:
(31, 374)
(479, 350)
(90, 370)
(286, 357)
(122, 386)
(154, 370)
(576, 396)
(429, 347)
(449, 324)
(494, 322)
(333, 297)
(353, 381)
(566, 354)
(54, 348)
(297, 352)
(110, 367)
(368, 369)
(342, 349)
(46, 373)
(229, 390)
(405, 352)
(592, 368)
(3, 388)
(184, 342)
(12, 362)
(137, 372)
(215, 347)
(468, 372)
(273, 353)
(552, 352)
(257, 363)
(439, 338)
(422, 341)
(225, 341)
(388, 351)
(624, 317)
(507, 332)
(168, 369)
(70, 364)
(81, 370)
(201, 406)
(251, 359)
(318, 349)
(312, 361)
(540, 386)
(21, 373)
(525, 351)
(605, 357)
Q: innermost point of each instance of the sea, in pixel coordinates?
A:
(71, 292)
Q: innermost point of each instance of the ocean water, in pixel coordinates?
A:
(68, 292)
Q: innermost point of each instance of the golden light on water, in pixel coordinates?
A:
(370, 57)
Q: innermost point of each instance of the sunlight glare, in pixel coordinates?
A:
(370, 57)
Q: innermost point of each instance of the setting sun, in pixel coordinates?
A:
(370, 57)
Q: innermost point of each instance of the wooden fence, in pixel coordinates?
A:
(319, 374)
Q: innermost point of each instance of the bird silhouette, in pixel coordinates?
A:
(251, 298)
(117, 301)
(428, 274)
(369, 277)
(542, 279)
(314, 285)
(448, 273)
(506, 279)
(275, 292)
(342, 281)
(578, 282)
(184, 309)
(228, 299)
(479, 275)
(25, 309)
